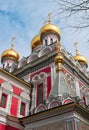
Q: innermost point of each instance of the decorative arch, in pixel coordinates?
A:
(66, 101)
(39, 76)
(45, 50)
(6, 85)
(32, 57)
(13, 67)
(40, 108)
(35, 78)
(64, 51)
(54, 103)
(78, 65)
(70, 57)
(25, 95)
(71, 83)
(22, 62)
(50, 99)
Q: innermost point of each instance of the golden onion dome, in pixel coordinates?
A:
(35, 42)
(81, 58)
(50, 28)
(10, 53)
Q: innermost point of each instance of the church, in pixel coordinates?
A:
(48, 90)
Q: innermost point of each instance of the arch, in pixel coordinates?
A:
(22, 62)
(7, 85)
(66, 101)
(71, 58)
(32, 57)
(78, 65)
(13, 67)
(45, 50)
(50, 99)
(25, 95)
(64, 51)
(40, 108)
(42, 75)
(54, 103)
(35, 78)
(71, 83)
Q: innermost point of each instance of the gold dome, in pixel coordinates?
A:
(50, 27)
(81, 58)
(35, 42)
(10, 53)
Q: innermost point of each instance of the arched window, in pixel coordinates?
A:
(51, 40)
(46, 41)
(3, 100)
(22, 108)
(40, 94)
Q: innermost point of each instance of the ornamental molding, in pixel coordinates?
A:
(39, 77)
(6, 85)
(40, 108)
(32, 57)
(25, 95)
(45, 50)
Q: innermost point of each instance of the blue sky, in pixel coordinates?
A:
(23, 19)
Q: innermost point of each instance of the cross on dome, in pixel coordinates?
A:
(76, 47)
(12, 40)
(49, 17)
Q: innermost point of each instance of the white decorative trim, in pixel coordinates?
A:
(45, 50)
(40, 108)
(32, 57)
(25, 95)
(6, 85)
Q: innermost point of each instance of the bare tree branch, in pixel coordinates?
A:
(77, 10)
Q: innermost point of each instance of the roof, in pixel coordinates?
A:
(16, 78)
(71, 107)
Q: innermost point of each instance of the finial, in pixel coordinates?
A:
(59, 60)
(12, 44)
(49, 17)
(76, 47)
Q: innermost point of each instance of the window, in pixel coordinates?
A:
(77, 125)
(46, 41)
(3, 100)
(22, 109)
(40, 94)
(70, 125)
(51, 40)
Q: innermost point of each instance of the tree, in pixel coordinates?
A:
(76, 12)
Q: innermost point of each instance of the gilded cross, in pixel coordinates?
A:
(49, 17)
(76, 47)
(12, 40)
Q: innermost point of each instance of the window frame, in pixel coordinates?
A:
(22, 103)
(3, 106)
